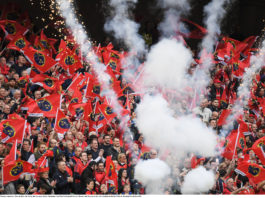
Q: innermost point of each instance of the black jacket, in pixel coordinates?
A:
(25, 155)
(43, 181)
(62, 185)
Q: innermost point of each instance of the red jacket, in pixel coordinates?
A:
(79, 168)
(100, 176)
(90, 192)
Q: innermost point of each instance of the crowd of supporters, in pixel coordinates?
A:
(71, 140)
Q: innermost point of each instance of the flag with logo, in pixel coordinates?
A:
(233, 140)
(13, 170)
(79, 110)
(69, 61)
(62, 123)
(48, 83)
(12, 130)
(12, 28)
(254, 172)
(107, 111)
(259, 149)
(19, 43)
(46, 106)
(111, 174)
(40, 60)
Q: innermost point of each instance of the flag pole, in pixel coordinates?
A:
(25, 126)
(236, 142)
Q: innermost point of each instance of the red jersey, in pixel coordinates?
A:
(100, 176)
(79, 168)
(90, 192)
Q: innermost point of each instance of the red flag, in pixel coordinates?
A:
(69, 61)
(19, 43)
(224, 115)
(111, 173)
(76, 97)
(93, 89)
(80, 109)
(12, 154)
(14, 116)
(254, 172)
(44, 41)
(250, 41)
(12, 171)
(77, 82)
(107, 112)
(12, 28)
(259, 149)
(197, 31)
(46, 106)
(39, 59)
(62, 123)
(230, 144)
(12, 130)
(42, 161)
(48, 83)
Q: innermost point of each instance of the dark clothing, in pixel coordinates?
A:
(44, 181)
(106, 149)
(87, 173)
(115, 153)
(18, 69)
(25, 155)
(94, 153)
(215, 93)
(62, 185)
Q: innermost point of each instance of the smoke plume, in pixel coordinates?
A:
(167, 64)
(179, 135)
(197, 181)
(151, 174)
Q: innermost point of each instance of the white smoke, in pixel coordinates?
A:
(214, 14)
(123, 27)
(163, 131)
(167, 64)
(173, 10)
(151, 174)
(198, 180)
(85, 47)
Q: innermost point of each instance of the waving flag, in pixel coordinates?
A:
(13, 170)
(111, 174)
(19, 43)
(40, 60)
(12, 130)
(80, 109)
(12, 154)
(62, 123)
(196, 31)
(69, 61)
(107, 111)
(48, 83)
(254, 172)
(230, 144)
(259, 149)
(12, 28)
(46, 106)
(14, 116)
(76, 97)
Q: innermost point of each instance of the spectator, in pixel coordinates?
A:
(20, 66)
(63, 179)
